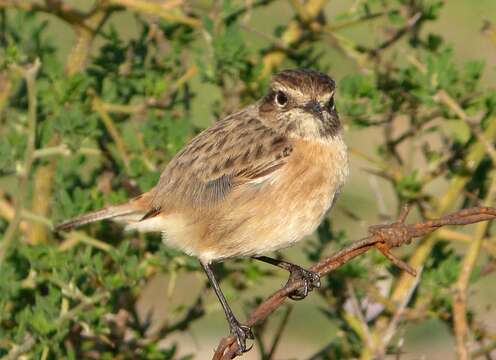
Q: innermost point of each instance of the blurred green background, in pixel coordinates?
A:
(366, 199)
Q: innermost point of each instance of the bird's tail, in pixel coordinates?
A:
(129, 212)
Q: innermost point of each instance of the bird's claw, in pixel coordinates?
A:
(311, 280)
(241, 333)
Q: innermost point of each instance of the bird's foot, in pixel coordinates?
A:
(241, 333)
(311, 280)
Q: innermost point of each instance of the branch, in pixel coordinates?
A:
(396, 319)
(29, 73)
(410, 25)
(279, 331)
(164, 11)
(382, 237)
(488, 243)
(356, 320)
(85, 32)
(113, 131)
(247, 7)
(62, 10)
(57, 8)
(293, 34)
(27, 344)
(474, 126)
(460, 322)
(475, 153)
(356, 21)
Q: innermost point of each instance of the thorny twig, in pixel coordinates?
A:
(383, 238)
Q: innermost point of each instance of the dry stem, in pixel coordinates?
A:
(384, 237)
(460, 324)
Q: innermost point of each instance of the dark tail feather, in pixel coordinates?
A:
(111, 212)
(129, 212)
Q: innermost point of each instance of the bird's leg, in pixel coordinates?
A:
(239, 331)
(310, 279)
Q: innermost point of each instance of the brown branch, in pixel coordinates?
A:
(382, 237)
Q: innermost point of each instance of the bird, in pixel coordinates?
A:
(256, 181)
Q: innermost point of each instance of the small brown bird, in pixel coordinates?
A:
(257, 181)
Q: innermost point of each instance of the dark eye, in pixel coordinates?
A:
(281, 98)
(330, 104)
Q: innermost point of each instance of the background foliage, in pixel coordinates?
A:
(119, 87)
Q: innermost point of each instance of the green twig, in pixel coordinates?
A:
(360, 20)
(64, 150)
(164, 11)
(74, 237)
(460, 324)
(113, 131)
(29, 73)
(16, 352)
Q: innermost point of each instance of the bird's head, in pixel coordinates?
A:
(300, 103)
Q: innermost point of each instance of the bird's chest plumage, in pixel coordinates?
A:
(270, 213)
(283, 208)
(313, 179)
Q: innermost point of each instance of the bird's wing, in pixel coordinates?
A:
(237, 151)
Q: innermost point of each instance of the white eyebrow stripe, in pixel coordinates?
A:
(325, 98)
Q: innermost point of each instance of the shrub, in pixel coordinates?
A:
(94, 125)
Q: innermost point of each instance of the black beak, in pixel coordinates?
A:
(314, 108)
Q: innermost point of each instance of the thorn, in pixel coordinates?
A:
(405, 210)
(396, 261)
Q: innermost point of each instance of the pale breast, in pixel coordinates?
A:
(272, 216)
(314, 181)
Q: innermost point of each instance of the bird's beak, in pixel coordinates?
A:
(313, 107)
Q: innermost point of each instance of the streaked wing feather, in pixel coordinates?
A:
(232, 153)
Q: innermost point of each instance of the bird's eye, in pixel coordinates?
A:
(281, 99)
(331, 104)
